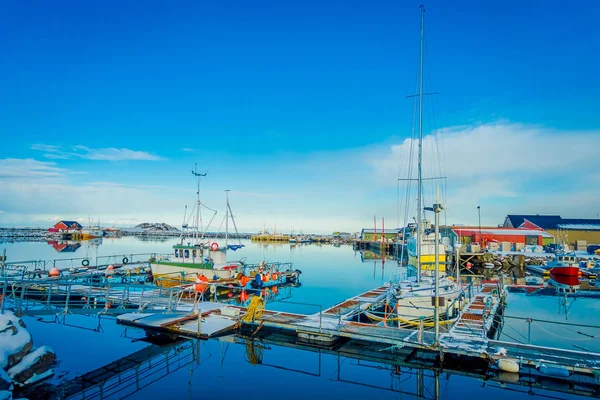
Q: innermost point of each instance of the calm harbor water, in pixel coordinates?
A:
(229, 368)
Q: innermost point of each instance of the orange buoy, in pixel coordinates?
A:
(54, 272)
(229, 294)
(274, 289)
(264, 278)
(243, 296)
(110, 267)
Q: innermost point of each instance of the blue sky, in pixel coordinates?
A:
(298, 107)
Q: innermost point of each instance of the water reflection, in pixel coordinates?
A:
(64, 246)
(229, 367)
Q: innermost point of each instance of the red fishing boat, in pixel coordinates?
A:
(564, 265)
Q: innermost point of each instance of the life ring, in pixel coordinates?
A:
(214, 246)
(125, 260)
(85, 262)
(213, 289)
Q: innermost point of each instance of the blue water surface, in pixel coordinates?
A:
(233, 368)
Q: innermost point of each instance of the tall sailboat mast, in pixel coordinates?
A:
(420, 156)
(198, 218)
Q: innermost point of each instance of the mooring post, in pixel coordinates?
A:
(320, 318)
(529, 321)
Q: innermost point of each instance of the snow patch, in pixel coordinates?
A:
(37, 378)
(13, 337)
(29, 361)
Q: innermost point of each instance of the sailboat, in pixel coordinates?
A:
(190, 254)
(413, 297)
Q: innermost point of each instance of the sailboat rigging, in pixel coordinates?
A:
(412, 298)
(228, 215)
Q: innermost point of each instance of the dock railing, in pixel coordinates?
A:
(76, 263)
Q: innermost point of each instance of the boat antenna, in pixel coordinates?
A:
(420, 177)
(198, 176)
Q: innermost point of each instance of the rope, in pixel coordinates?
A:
(255, 310)
(562, 337)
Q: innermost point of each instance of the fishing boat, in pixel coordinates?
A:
(190, 255)
(563, 265)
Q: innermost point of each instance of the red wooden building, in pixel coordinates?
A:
(484, 235)
(61, 226)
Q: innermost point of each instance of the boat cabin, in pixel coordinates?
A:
(187, 251)
(566, 259)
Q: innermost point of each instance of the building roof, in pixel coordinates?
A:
(580, 227)
(547, 221)
(386, 231)
(467, 231)
(69, 223)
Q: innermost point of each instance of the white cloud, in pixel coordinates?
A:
(99, 154)
(50, 148)
(503, 166)
(188, 150)
(28, 168)
(113, 154)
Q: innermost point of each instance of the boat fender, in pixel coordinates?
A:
(125, 260)
(85, 262)
(123, 280)
(554, 371)
(508, 365)
(213, 289)
(149, 279)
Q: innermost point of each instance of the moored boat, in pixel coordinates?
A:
(563, 265)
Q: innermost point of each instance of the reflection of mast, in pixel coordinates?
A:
(226, 216)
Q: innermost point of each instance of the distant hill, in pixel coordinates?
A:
(156, 227)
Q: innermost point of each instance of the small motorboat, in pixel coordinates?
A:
(563, 265)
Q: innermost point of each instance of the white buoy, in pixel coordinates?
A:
(508, 365)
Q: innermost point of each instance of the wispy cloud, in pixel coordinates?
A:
(98, 154)
(28, 168)
(50, 148)
(188, 150)
(263, 195)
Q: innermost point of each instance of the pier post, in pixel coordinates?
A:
(320, 318)
(3, 295)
